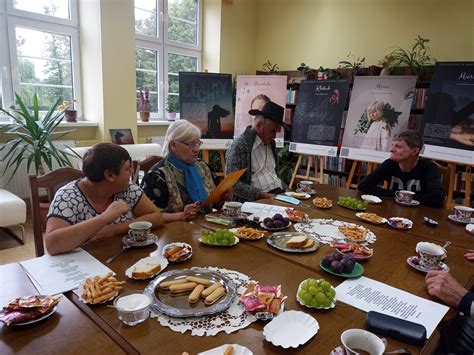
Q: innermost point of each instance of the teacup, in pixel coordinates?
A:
(305, 186)
(463, 213)
(138, 231)
(232, 208)
(404, 195)
(360, 341)
(430, 255)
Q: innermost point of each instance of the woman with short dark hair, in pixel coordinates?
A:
(99, 205)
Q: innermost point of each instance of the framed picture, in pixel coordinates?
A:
(121, 136)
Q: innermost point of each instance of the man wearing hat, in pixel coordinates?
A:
(255, 150)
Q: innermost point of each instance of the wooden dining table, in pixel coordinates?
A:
(258, 260)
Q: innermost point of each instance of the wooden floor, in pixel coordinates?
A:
(11, 250)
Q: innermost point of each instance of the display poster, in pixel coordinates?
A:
(318, 115)
(206, 101)
(448, 118)
(253, 91)
(379, 109)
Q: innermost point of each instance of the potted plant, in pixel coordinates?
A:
(144, 105)
(412, 61)
(172, 106)
(69, 108)
(33, 139)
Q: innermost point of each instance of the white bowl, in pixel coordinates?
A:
(371, 199)
(291, 329)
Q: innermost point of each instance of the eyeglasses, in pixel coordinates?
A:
(197, 144)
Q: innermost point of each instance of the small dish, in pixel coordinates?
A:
(278, 241)
(151, 239)
(453, 218)
(291, 329)
(354, 209)
(144, 261)
(371, 199)
(353, 249)
(413, 203)
(295, 215)
(298, 195)
(413, 261)
(300, 301)
(251, 234)
(358, 270)
(237, 350)
(275, 229)
(80, 292)
(52, 300)
(400, 223)
(236, 240)
(184, 255)
(430, 222)
(470, 228)
(363, 216)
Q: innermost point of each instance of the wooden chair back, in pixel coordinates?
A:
(445, 172)
(51, 182)
(145, 165)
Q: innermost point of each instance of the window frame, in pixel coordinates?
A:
(163, 46)
(72, 21)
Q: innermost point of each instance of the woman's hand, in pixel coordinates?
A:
(190, 211)
(115, 210)
(469, 256)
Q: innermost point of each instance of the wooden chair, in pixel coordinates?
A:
(51, 182)
(145, 165)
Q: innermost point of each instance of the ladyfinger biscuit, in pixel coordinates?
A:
(199, 280)
(214, 296)
(166, 284)
(188, 286)
(210, 289)
(194, 296)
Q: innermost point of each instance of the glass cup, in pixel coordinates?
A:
(138, 231)
(133, 307)
(404, 196)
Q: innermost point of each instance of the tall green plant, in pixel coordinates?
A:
(34, 136)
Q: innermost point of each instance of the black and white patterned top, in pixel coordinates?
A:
(72, 205)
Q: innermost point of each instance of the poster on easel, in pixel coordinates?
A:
(253, 91)
(318, 115)
(206, 101)
(379, 109)
(448, 118)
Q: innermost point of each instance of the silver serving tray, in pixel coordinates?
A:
(178, 306)
(278, 241)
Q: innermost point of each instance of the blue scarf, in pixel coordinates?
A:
(192, 177)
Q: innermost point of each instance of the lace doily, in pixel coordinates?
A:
(229, 321)
(326, 231)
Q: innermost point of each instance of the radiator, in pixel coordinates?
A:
(19, 185)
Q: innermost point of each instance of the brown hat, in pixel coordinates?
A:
(273, 112)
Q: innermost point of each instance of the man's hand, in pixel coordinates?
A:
(265, 195)
(443, 286)
(115, 210)
(190, 211)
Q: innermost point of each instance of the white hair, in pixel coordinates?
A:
(180, 130)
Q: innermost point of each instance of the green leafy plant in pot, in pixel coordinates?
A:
(33, 139)
(172, 106)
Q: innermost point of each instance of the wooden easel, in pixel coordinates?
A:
(310, 159)
(205, 157)
(467, 190)
(370, 167)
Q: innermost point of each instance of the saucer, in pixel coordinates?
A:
(413, 203)
(413, 262)
(470, 228)
(312, 192)
(151, 239)
(454, 219)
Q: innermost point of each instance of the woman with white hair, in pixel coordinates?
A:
(181, 182)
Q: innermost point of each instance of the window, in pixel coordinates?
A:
(41, 46)
(168, 41)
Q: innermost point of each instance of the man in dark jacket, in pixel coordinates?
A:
(255, 150)
(405, 170)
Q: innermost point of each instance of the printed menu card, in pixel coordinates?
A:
(64, 272)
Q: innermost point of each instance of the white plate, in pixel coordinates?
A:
(236, 240)
(31, 321)
(407, 223)
(291, 329)
(413, 203)
(292, 194)
(238, 350)
(359, 215)
(178, 244)
(80, 291)
(275, 229)
(300, 301)
(454, 219)
(148, 260)
(371, 199)
(470, 228)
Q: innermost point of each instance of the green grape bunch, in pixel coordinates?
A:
(353, 203)
(218, 237)
(317, 293)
